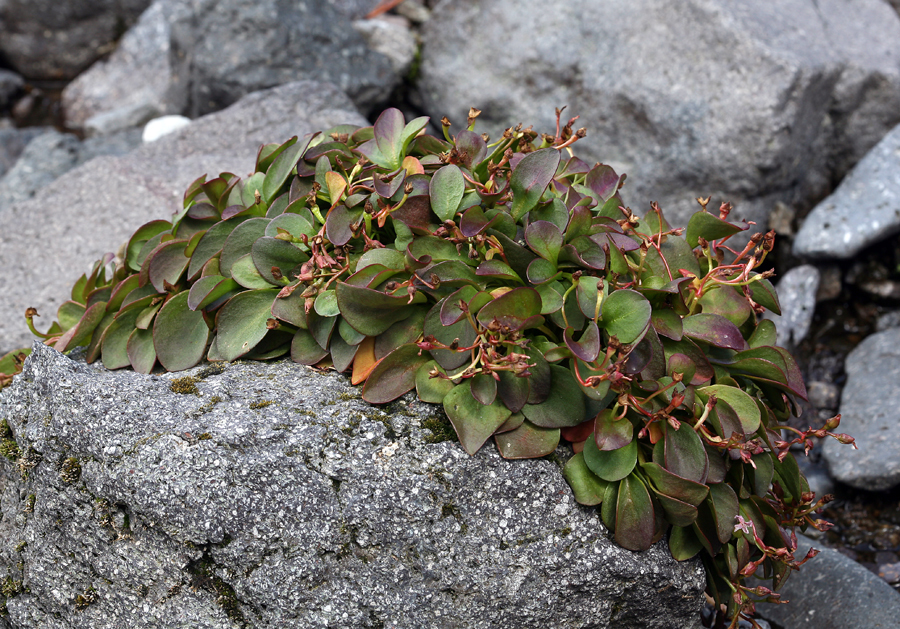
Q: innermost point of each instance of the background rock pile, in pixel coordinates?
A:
(789, 110)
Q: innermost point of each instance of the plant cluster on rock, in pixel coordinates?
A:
(507, 281)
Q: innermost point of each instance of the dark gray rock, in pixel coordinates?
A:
(870, 411)
(797, 296)
(12, 142)
(832, 591)
(273, 42)
(133, 85)
(43, 39)
(47, 242)
(10, 85)
(276, 497)
(751, 102)
(864, 209)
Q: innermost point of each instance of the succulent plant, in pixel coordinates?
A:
(507, 281)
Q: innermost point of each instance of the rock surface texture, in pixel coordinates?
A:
(271, 495)
(834, 592)
(797, 296)
(44, 39)
(870, 410)
(864, 209)
(108, 198)
(751, 102)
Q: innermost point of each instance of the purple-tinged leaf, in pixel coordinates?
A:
(585, 252)
(724, 505)
(472, 148)
(389, 135)
(450, 307)
(545, 239)
(342, 354)
(704, 371)
(635, 517)
(665, 482)
(114, 344)
(180, 334)
(137, 241)
(271, 253)
(728, 302)
(765, 295)
(683, 543)
(610, 433)
(679, 363)
(713, 329)
(587, 292)
(563, 406)
(368, 311)
(515, 309)
(497, 269)
(279, 171)
(484, 388)
(81, 331)
(431, 390)
(203, 212)
(387, 185)
(667, 322)
(530, 177)
(305, 350)
(588, 346)
(166, 264)
(140, 350)
(209, 289)
(579, 223)
(513, 390)
(405, 331)
(603, 182)
(340, 223)
(527, 442)
(625, 315)
(737, 405)
(239, 242)
(541, 271)
(685, 455)
(474, 221)
(193, 189)
(610, 465)
(473, 421)
(461, 331)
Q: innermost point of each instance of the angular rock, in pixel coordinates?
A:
(391, 36)
(797, 295)
(271, 495)
(50, 240)
(44, 159)
(870, 411)
(832, 591)
(888, 320)
(864, 209)
(750, 102)
(274, 42)
(51, 154)
(43, 39)
(136, 78)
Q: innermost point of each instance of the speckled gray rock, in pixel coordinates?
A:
(753, 102)
(870, 411)
(46, 157)
(864, 209)
(797, 296)
(44, 249)
(13, 142)
(275, 497)
(834, 592)
(45, 39)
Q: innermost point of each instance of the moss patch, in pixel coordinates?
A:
(185, 386)
(70, 471)
(441, 429)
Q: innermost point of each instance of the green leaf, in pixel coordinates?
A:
(389, 136)
(474, 422)
(610, 465)
(370, 312)
(394, 375)
(635, 517)
(724, 504)
(210, 289)
(281, 168)
(179, 334)
(446, 190)
(683, 543)
(244, 272)
(239, 242)
(668, 323)
(326, 304)
(114, 352)
(564, 406)
(625, 315)
(612, 434)
(211, 244)
(545, 239)
(737, 412)
(685, 455)
(764, 334)
(144, 233)
(705, 225)
(80, 333)
(587, 486)
(272, 252)
(166, 263)
(484, 388)
(241, 323)
(305, 350)
(140, 350)
(431, 390)
(527, 441)
(518, 309)
(530, 178)
(727, 301)
(765, 295)
(665, 482)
